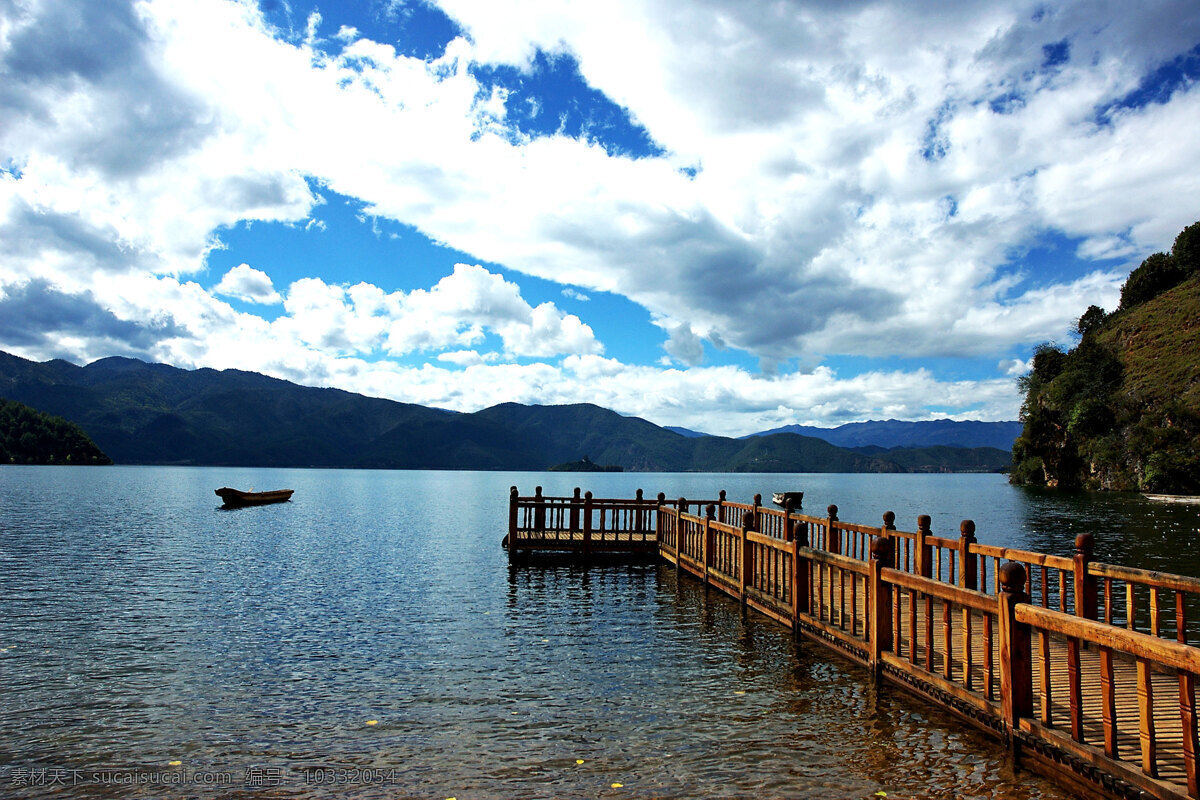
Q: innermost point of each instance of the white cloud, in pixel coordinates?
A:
(244, 282)
(866, 172)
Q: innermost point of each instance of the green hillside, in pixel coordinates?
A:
(1121, 410)
(28, 436)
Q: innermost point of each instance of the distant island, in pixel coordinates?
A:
(141, 413)
(1121, 409)
(28, 436)
(585, 465)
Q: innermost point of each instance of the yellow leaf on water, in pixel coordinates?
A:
(579, 761)
(174, 763)
(618, 785)
(372, 722)
(739, 692)
(881, 793)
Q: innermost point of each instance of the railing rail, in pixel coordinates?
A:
(1012, 639)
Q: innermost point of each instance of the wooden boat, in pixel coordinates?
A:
(1174, 498)
(784, 499)
(234, 498)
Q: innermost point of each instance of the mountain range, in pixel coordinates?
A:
(141, 413)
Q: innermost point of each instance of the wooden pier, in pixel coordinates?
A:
(1086, 670)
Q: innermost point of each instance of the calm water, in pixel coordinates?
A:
(140, 625)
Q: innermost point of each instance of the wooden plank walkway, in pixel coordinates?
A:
(1063, 677)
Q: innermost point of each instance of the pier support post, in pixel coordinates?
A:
(833, 536)
(1086, 588)
(968, 564)
(511, 539)
(879, 638)
(1016, 651)
(680, 534)
(709, 537)
(744, 573)
(539, 510)
(924, 550)
(587, 524)
(801, 574)
(639, 513)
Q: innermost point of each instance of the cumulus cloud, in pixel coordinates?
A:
(244, 282)
(854, 179)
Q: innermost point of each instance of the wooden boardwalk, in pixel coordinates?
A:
(1087, 670)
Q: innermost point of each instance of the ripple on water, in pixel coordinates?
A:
(141, 626)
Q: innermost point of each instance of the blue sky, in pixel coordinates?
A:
(729, 216)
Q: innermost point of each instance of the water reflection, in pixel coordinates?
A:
(139, 626)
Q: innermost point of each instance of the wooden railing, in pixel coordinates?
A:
(1083, 667)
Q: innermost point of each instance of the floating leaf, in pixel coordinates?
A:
(579, 761)
(372, 722)
(618, 785)
(174, 763)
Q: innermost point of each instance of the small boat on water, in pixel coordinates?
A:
(785, 499)
(235, 498)
(1174, 498)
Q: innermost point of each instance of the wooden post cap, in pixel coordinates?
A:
(967, 529)
(800, 532)
(587, 495)
(662, 498)
(889, 519)
(721, 495)
(537, 491)
(832, 511)
(1012, 576)
(577, 490)
(758, 499)
(512, 492)
(710, 511)
(1084, 544)
(748, 521)
(640, 494)
(923, 522)
(681, 504)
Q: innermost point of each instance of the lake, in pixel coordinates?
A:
(370, 639)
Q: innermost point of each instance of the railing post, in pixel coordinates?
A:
(638, 511)
(576, 500)
(1016, 652)
(968, 565)
(879, 636)
(587, 524)
(801, 573)
(511, 539)
(833, 537)
(539, 510)
(680, 535)
(658, 525)
(707, 544)
(1086, 588)
(744, 572)
(757, 506)
(924, 552)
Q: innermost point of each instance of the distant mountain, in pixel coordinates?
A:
(897, 433)
(28, 436)
(156, 414)
(688, 432)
